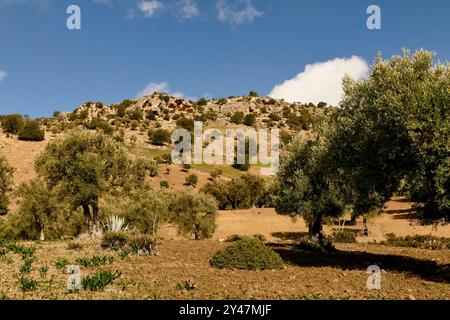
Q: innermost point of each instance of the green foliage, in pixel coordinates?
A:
(40, 215)
(237, 117)
(6, 173)
(191, 180)
(241, 192)
(185, 123)
(308, 187)
(214, 174)
(250, 119)
(94, 261)
(143, 245)
(61, 263)
(253, 94)
(164, 184)
(193, 213)
(83, 165)
(27, 284)
(135, 114)
(12, 123)
(100, 280)
(100, 124)
(202, 102)
(344, 236)
(144, 209)
(31, 131)
(159, 137)
(249, 254)
(114, 239)
(187, 285)
(394, 125)
(237, 237)
(417, 241)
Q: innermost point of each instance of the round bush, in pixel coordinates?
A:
(31, 131)
(249, 254)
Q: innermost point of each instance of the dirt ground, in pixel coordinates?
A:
(406, 274)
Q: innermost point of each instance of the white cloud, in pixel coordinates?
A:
(161, 87)
(149, 8)
(187, 9)
(237, 12)
(321, 81)
(3, 75)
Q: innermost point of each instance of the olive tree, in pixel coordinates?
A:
(395, 126)
(307, 187)
(194, 213)
(82, 166)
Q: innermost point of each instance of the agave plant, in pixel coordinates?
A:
(115, 224)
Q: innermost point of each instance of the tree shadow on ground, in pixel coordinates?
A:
(293, 236)
(357, 260)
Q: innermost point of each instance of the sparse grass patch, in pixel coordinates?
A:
(95, 261)
(27, 284)
(72, 245)
(100, 280)
(187, 285)
(61, 263)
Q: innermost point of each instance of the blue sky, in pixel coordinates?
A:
(193, 48)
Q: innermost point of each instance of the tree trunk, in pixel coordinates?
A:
(87, 216)
(315, 235)
(95, 212)
(42, 235)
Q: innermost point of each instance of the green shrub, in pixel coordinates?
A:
(31, 131)
(12, 123)
(237, 237)
(159, 137)
(192, 180)
(249, 254)
(417, 241)
(100, 280)
(202, 102)
(194, 213)
(237, 117)
(6, 174)
(100, 124)
(344, 236)
(143, 245)
(214, 174)
(164, 184)
(114, 240)
(250, 119)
